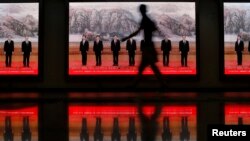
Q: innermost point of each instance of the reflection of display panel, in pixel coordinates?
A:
(18, 21)
(19, 124)
(236, 54)
(237, 114)
(173, 20)
(84, 121)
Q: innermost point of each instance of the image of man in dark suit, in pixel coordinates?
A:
(8, 50)
(166, 47)
(84, 48)
(115, 48)
(184, 49)
(131, 48)
(239, 47)
(26, 49)
(98, 48)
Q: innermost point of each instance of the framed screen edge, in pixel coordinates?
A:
(30, 77)
(223, 76)
(177, 77)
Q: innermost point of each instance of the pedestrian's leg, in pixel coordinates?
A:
(158, 74)
(141, 68)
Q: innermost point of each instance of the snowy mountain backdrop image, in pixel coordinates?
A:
(172, 19)
(237, 21)
(19, 20)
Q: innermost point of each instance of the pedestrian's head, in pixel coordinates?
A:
(143, 9)
(84, 37)
(115, 37)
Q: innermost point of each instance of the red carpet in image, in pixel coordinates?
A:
(174, 68)
(18, 69)
(235, 111)
(232, 68)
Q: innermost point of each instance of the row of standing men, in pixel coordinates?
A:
(166, 48)
(9, 49)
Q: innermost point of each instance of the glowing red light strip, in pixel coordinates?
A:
(23, 111)
(237, 110)
(129, 110)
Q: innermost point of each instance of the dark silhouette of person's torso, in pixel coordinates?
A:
(149, 52)
(148, 27)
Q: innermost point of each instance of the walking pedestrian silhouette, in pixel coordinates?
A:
(149, 53)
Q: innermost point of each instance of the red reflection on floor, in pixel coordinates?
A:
(107, 113)
(234, 113)
(129, 110)
(17, 115)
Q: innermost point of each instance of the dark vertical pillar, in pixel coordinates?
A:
(54, 42)
(208, 12)
(208, 113)
(54, 119)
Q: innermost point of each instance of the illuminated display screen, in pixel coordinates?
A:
(122, 123)
(236, 38)
(173, 21)
(19, 26)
